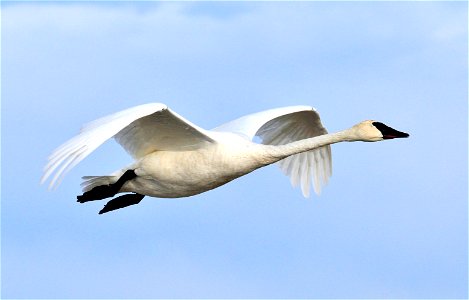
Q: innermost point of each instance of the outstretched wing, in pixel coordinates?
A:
(285, 125)
(139, 130)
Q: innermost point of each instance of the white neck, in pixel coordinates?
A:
(278, 152)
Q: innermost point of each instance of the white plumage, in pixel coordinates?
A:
(176, 158)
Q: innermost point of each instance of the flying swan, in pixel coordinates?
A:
(176, 158)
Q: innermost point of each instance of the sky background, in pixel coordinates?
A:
(392, 222)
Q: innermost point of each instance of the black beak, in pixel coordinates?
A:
(388, 132)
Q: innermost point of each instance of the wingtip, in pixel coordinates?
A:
(43, 180)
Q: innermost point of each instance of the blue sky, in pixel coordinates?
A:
(392, 222)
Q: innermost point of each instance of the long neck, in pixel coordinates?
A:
(278, 152)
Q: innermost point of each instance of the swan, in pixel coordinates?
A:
(176, 158)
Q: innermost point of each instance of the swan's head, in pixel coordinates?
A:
(374, 131)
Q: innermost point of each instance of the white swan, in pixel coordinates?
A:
(175, 158)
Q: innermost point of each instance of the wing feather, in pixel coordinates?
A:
(295, 173)
(293, 127)
(305, 176)
(316, 172)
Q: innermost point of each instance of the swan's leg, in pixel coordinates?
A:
(121, 201)
(106, 191)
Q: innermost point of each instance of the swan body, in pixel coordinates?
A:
(171, 174)
(175, 158)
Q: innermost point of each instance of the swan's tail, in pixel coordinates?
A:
(90, 182)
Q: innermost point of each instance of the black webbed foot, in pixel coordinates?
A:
(121, 201)
(106, 191)
(98, 193)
